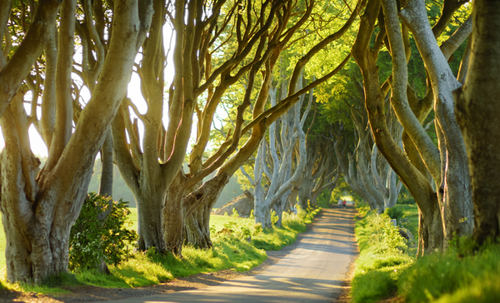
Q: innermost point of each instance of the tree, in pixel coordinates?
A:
(156, 168)
(39, 206)
(321, 172)
(205, 195)
(478, 115)
(280, 176)
(450, 209)
(173, 204)
(360, 163)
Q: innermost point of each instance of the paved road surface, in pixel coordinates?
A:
(312, 269)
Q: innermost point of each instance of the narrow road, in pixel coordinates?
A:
(311, 270)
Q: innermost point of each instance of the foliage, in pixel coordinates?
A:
(459, 275)
(93, 240)
(325, 199)
(274, 217)
(462, 274)
(394, 213)
(382, 257)
(274, 238)
(231, 249)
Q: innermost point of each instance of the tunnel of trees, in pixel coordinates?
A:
(291, 96)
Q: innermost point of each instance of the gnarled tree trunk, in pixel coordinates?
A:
(478, 112)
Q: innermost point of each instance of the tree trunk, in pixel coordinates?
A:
(478, 112)
(364, 171)
(455, 177)
(305, 188)
(36, 217)
(314, 197)
(262, 214)
(280, 207)
(174, 216)
(198, 228)
(106, 184)
(293, 197)
(197, 206)
(149, 220)
(414, 180)
(39, 207)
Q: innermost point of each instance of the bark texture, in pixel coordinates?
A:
(478, 112)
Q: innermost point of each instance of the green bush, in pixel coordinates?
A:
(274, 217)
(93, 240)
(324, 199)
(395, 213)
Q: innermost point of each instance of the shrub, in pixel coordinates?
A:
(93, 240)
(406, 200)
(324, 199)
(394, 213)
(274, 217)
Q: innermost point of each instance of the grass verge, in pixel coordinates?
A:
(386, 267)
(382, 257)
(454, 276)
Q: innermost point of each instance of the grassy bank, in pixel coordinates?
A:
(383, 256)
(457, 276)
(387, 266)
(238, 244)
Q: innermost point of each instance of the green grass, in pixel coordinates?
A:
(3, 243)
(266, 239)
(386, 268)
(454, 277)
(382, 257)
(231, 250)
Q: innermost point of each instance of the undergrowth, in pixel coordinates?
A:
(386, 267)
(459, 275)
(382, 257)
